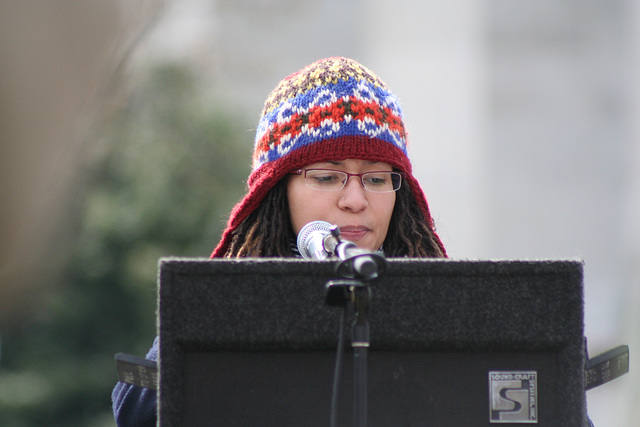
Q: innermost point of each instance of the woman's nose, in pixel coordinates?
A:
(353, 196)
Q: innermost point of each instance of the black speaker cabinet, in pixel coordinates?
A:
(252, 342)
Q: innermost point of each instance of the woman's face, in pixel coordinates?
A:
(362, 216)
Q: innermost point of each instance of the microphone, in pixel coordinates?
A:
(311, 240)
(319, 240)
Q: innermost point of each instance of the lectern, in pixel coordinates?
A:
(453, 343)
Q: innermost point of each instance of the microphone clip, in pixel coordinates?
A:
(355, 263)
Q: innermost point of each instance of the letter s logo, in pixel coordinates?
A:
(512, 397)
(516, 405)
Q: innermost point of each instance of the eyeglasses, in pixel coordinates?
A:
(332, 180)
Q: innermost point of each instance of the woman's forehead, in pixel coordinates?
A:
(349, 162)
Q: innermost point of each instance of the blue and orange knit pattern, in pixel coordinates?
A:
(332, 98)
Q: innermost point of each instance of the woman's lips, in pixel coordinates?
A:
(353, 232)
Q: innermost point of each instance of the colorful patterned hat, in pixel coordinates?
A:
(333, 109)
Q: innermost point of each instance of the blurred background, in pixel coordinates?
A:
(126, 129)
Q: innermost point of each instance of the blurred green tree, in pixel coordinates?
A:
(175, 165)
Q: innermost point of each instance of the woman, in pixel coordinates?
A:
(330, 146)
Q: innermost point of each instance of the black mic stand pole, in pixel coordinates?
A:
(359, 268)
(360, 343)
(358, 293)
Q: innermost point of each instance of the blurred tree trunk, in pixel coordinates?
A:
(59, 69)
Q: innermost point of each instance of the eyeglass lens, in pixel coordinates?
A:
(332, 180)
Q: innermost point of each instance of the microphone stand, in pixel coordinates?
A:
(359, 268)
(360, 343)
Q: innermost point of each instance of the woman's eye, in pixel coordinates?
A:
(326, 178)
(377, 179)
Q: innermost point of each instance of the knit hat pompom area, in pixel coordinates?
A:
(333, 109)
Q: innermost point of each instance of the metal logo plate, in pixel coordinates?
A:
(513, 397)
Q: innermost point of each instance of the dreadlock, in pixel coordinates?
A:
(267, 231)
(409, 235)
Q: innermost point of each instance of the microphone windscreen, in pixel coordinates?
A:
(306, 234)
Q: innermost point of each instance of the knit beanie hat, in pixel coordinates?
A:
(333, 109)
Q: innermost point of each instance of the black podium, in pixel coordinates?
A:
(453, 343)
